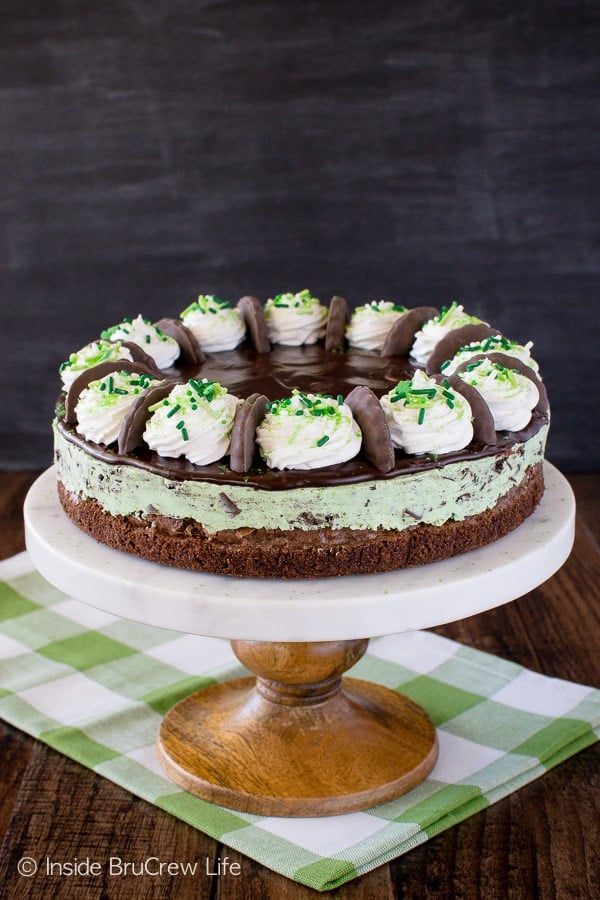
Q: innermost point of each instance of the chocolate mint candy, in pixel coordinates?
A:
(401, 335)
(336, 323)
(253, 315)
(243, 443)
(377, 442)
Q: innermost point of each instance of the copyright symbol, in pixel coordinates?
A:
(27, 866)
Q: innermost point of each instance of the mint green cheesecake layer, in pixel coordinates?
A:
(435, 496)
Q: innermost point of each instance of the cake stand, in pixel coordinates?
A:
(298, 739)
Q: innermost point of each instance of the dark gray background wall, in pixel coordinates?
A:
(420, 151)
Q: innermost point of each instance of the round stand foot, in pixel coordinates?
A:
(297, 740)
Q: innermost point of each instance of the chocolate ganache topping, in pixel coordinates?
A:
(275, 371)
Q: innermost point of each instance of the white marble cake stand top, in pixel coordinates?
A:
(352, 606)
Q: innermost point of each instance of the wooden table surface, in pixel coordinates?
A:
(543, 841)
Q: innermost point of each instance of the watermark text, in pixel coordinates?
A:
(116, 866)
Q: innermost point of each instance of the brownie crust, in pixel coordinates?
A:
(264, 553)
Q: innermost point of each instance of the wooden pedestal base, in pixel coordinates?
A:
(297, 740)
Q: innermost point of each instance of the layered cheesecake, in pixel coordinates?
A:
(295, 439)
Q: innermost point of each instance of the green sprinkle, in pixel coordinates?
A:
(380, 306)
(427, 392)
(110, 384)
(445, 365)
(421, 418)
(180, 425)
(184, 434)
(206, 389)
(173, 411)
(148, 339)
(302, 300)
(206, 303)
(120, 391)
(299, 412)
(340, 400)
(322, 440)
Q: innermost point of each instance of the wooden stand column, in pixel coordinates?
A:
(298, 740)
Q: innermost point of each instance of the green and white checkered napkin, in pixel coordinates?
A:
(95, 687)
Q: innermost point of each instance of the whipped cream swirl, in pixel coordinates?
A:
(426, 417)
(215, 324)
(104, 403)
(510, 395)
(493, 344)
(194, 421)
(163, 349)
(434, 330)
(308, 431)
(295, 319)
(370, 324)
(91, 355)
